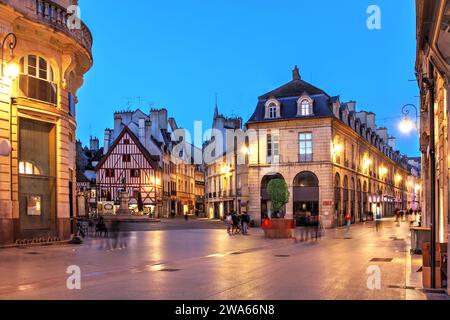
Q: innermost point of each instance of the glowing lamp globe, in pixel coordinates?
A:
(406, 126)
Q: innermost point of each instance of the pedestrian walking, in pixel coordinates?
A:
(236, 223)
(378, 223)
(229, 221)
(419, 219)
(186, 216)
(412, 218)
(245, 219)
(348, 220)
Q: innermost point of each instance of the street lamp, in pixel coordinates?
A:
(406, 126)
(12, 71)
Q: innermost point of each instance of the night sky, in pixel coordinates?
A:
(179, 54)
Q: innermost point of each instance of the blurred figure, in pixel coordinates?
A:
(348, 221)
(118, 242)
(378, 223)
(245, 218)
(412, 218)
(236, 223)
(229, 222)
(316, 226)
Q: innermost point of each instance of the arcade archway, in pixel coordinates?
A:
(306, 199)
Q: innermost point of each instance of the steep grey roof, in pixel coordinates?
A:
(295, 88)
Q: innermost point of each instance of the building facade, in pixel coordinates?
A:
(433, 73)
(223, 193)
(87, 159)
(159, 137)
(37, 117)
(334, 159)
(128, 166)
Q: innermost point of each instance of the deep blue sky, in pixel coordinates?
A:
(178, 54)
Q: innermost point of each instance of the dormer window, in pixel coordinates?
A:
(305, 106)
(273, 109)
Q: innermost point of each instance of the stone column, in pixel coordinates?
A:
(6, 213)
(290, 204)
(124, 199)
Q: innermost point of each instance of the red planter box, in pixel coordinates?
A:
(278, 228)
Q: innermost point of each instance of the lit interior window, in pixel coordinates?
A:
(27, 168)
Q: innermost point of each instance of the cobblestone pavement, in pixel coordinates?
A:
(197, 260)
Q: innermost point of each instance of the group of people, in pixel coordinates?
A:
(414, 217)
(237, 224)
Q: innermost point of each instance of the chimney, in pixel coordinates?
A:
(383, 133)
(148, 133)
(117, 125)
(391, 142)
(142, 130)
(362, 116)
(371, 121)
(351, 105)
(155, 122)
(94, 144)
(296, 74)
(173, 124)
(163, 119)
(107, 141)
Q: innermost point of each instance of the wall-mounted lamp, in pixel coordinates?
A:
(11, 71)
(407, 125)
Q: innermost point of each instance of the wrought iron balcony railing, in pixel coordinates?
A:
(56, 16)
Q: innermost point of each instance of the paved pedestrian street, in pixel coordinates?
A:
(204, 262)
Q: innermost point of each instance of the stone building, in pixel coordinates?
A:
(160, 137)
(334, 158)
(223, 192)
(433, 74)
(87, 159)
(39, 83)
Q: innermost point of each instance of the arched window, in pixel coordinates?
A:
(29, 169)
(38, 67)
(37, 78)
(306, 179)
(305, 106)
(273, 109)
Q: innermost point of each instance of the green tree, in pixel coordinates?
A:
(278, 194)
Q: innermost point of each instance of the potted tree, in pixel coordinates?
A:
(278, 227)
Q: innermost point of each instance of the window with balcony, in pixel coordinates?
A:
(36, 80)
(305, 147)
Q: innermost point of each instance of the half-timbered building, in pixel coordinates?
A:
(129, 166)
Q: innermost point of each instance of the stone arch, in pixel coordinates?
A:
(306, 197)
(266, 211)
